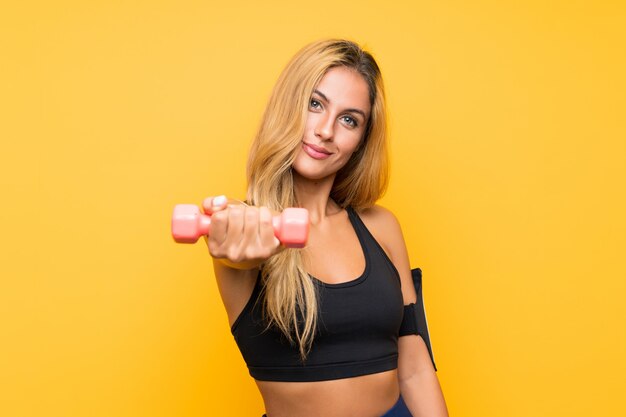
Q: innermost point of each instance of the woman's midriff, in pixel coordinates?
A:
(363, 396)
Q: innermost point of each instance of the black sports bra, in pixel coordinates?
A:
(358, 325)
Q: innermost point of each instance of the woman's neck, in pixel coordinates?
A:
(314, 195)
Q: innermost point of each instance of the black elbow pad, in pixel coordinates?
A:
(414, 320)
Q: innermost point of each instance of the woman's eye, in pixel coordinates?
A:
(350, 121)
(314, 104)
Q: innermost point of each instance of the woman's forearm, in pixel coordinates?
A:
(422, 394)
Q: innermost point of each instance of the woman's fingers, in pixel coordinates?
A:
(234, 232)
(250, 240)
(266, 230)
(212, 204)
(240, 233)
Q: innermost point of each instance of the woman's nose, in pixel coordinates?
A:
(324, 127)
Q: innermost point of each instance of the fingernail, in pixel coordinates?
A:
(220, 200)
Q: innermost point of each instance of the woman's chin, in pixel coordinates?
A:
(313, 175)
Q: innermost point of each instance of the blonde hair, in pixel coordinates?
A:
(289, 297)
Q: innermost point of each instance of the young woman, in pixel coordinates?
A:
(322, 329)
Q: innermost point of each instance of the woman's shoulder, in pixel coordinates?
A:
(383, 225)
(378, 216)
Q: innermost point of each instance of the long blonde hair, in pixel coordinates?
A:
(289, 297)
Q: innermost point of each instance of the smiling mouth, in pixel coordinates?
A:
(315, 152)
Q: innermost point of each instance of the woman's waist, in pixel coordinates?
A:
(367, 395)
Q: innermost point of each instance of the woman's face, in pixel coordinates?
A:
(339, 109)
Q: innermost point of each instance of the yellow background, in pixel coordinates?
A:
(508, 175)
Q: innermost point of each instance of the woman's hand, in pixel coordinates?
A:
(242, 237)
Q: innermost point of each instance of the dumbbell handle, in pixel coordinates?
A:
(291, 227)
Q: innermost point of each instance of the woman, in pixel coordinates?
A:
(322, 328)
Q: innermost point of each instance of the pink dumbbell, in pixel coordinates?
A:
(291, 227)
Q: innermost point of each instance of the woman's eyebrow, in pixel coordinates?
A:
(322, 95)
(361, 112)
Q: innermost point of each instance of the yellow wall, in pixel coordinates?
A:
(508, 176)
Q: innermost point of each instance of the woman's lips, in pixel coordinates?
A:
(315, 152)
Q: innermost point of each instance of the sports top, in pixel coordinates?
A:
(358, 325)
